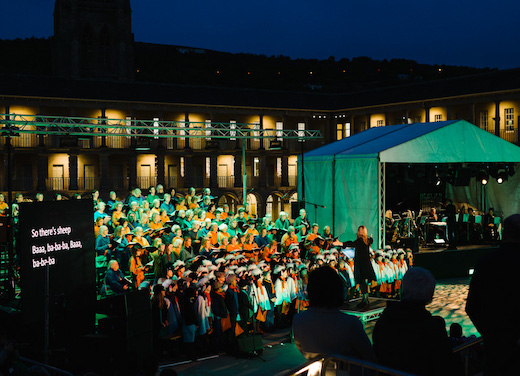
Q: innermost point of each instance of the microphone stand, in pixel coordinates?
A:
(316, 206)
(253, 323)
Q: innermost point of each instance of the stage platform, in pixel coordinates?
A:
(451, 263)
(368, 313)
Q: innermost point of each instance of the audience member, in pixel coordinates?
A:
(323, 328)
(407, 337)
(493, 283)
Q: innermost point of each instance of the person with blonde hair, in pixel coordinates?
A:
(363, 271)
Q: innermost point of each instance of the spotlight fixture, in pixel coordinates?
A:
(438, 181)
(483, 177)
(502, 177)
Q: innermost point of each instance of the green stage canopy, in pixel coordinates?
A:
(347, 176)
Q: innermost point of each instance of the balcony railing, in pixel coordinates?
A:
(19, 184)
(118, 182)
(200, 181)
(88, 183)
(510, 134)
(115, 142)
(25, 140)
(226, 181)
(174, 182)
(144, 182)
(57, 184)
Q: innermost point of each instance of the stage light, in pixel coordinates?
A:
(483, 177)
(438, 181)
(501, 177)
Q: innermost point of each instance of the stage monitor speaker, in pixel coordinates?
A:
(124, 304)
(408, 242)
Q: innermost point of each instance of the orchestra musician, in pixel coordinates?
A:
(489, 227)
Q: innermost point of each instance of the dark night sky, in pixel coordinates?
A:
(473, 33)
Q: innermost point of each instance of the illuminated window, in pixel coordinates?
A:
(301, 129)
(233, 125)
(510, 119)
(279, 130)
(438, 117)
(182, 166)
(208, 167)
(278, 166)
(256, 166)
(182, 125)
(269, 203)
(484, 119)
(128, 123)
(339, 131)
(256, 133)
(207, 125)
(347, 130)
(380, 123)
(156, 127)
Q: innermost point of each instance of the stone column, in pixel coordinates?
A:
(159, 165)
(186, 130)
(188, 171)
(285, 171)
(213, 178)
(426, 114)
(104, 185)
(497, 118)
(262, 140)
(73, 171)
(43, 171)
(237, 168)
(132, 171)
(263, 172)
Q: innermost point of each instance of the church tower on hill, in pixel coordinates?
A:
(93, 38)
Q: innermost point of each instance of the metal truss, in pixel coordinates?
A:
(382, 204)
(12, 124)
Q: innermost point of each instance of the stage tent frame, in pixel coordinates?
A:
(347, 177)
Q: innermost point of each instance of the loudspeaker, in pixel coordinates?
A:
(247, 343)
(124, 304)
(411, 242)
(295, 208)
(129, 320)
